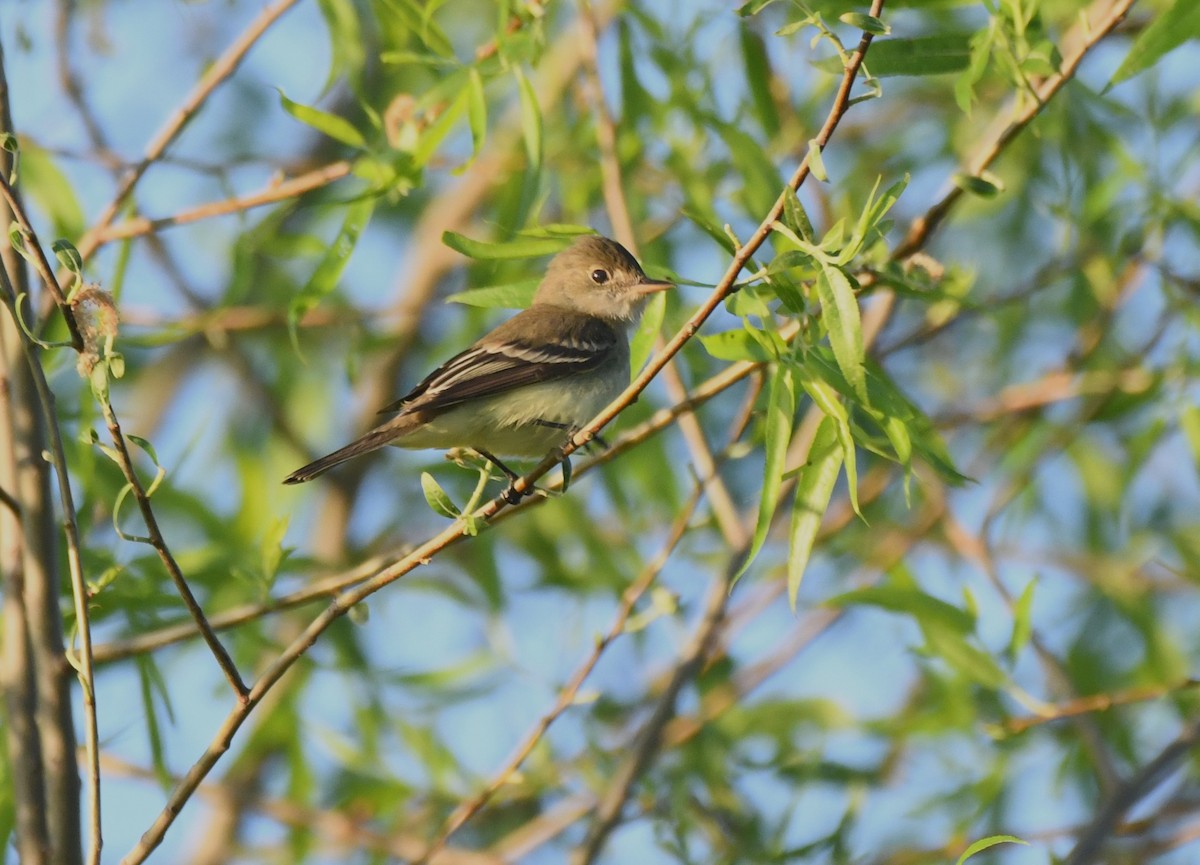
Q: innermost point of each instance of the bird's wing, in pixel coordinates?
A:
(503, 360)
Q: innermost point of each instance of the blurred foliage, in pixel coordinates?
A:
(994, 506)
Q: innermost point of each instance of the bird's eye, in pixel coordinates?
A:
(599, 276)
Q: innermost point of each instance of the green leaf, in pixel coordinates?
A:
(531, 121)
(736, 345)
(16, 238)
(513, 295)
(432, 138)
(68, 256)
(415, 20)
(986, 185)
(159, 471)
(759, 79)
(795, 217)
(327, 273)
(151, 683)
(813, 492)
(337, 128)
(437, 498)
(1189, 422)
(924, 608)
(839, 311)
(116, 515)
(985, 843)
(813, 377)
(1022, 621)
(347, 47)
(98, 380)
(10, 144)
(521, 247)
(642, 343)
(866, 23)
(476, 111)
(869, 219)
(753, 7)
(710, 228)
(272, 552)
(567, 474)
(922, 55)
(757, 175)
(52, 191)
(777, 422)
(977, 665)
(815, 163)
(1166, 32)
(417, 58)
(145, 445)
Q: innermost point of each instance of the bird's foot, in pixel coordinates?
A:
(511, 494)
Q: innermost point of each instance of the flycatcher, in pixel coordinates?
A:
(527, 385)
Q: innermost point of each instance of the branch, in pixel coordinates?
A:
(276, 190)
(1130, 793)
(83, 664)
(125, 461)
(37, 257)
(1097, 703)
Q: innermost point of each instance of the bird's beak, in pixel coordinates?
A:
(652, 286)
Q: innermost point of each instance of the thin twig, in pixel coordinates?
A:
(125, 460)
(649, 737)
(1129, 793)
(38, 257)
(277, 190)
(344, 832)
(48, 823)
(1097, 703)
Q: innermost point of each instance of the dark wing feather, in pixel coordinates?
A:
(504, 360)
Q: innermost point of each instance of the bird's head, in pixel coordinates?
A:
(599, 277)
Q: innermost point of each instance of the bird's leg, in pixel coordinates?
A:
(510, 493)
(571, 429)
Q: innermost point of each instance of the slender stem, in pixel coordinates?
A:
(40, 263)
(276, 191)
(125, 460)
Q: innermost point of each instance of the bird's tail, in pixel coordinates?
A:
(373, 440)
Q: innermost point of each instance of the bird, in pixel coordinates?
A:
(526, 386)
